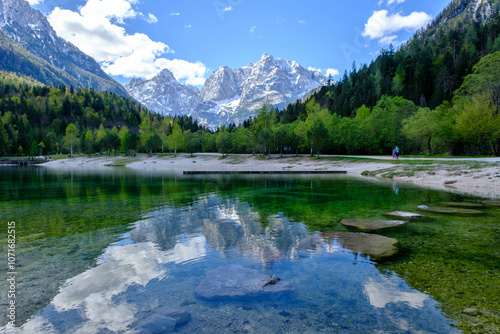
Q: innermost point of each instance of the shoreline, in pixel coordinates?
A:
(477, 177)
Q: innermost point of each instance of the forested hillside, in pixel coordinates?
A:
(439, 93)
(37, 119)
(425, 70)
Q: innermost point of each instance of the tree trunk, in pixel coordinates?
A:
(478, 147)
(429, 149)
(495, 148)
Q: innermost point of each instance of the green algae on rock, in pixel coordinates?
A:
(371, 225)
(462, 204)
(377, 247)
(449, 210)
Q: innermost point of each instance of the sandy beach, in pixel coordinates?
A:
(478, 177)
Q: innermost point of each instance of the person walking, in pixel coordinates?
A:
(396, 153)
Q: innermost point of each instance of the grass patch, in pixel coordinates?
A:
(123, 162)
(235, 159)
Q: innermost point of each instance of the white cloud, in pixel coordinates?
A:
(390, 2)
(188, 26)
(184, 71)
(151, 18)
(329, 71)
(252, 29)
(175, 14)
(302, 21)
(227, 9)
(386, 40)
(35, 2)
(382, 25)
(332, 71)
(96, 30)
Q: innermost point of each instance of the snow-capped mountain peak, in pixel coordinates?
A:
(229, 96)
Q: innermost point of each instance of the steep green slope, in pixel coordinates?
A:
(425, 70)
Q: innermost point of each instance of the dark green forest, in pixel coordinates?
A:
(42, 120)
(439, 93)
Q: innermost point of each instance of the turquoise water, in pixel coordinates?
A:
(98, 251)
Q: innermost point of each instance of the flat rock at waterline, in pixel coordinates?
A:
(377, 247)
(462, 204)
(238, 282)
(492, 203)
(450, 211)
(371, 225)
(402, 215)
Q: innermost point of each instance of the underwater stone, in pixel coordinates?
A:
(237, 282)
(403, 215)
(157, 323)
(492, 203)
(180, 316)
(462, 204)
(449, 210)
(370, 225)
(470, 311)
(377, 247)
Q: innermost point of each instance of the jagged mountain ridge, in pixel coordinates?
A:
(228, 96)
(31, 30)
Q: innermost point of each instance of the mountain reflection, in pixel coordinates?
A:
(162, 259)
(225, 225)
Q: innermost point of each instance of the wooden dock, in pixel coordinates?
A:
(197, 172)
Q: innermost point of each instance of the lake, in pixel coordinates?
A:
(111, 250)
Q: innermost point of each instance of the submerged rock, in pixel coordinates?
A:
(377, 247)
(163, 320)
(470, 311)
(449, 210)
(462, 204)
(492, 203)
(238, 282)
(181, 317)
(371, 225)
(402, 215)
(156, 323)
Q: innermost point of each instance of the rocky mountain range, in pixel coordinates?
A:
(44, 55)
(228, 96)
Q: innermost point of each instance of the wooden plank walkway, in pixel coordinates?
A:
(195, 172)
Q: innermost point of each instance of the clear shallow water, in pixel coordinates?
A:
(99, 251)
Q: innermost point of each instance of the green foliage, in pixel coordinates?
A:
(34, 148)
(176, 139)
(476, 122)
(88, 142)
(30, 111)
(71, 137)
(422, 126)
(425, 70)
(224, 141)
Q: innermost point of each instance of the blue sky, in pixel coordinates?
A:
(138, 38)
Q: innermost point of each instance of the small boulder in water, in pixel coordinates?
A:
(238, 282)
